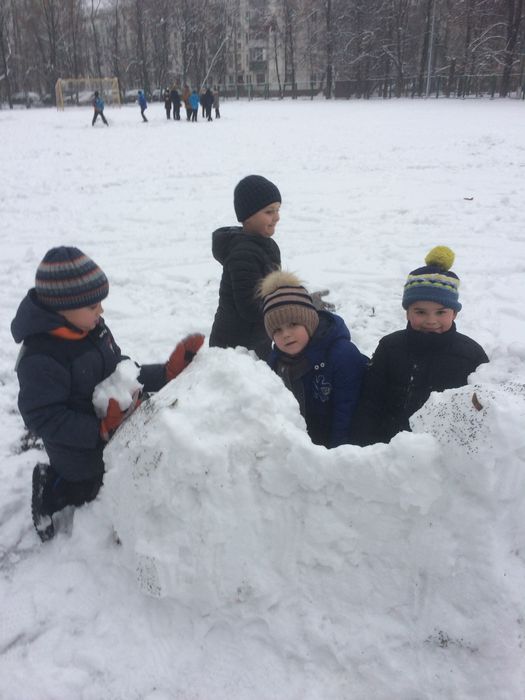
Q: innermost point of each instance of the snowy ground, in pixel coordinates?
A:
(285, 571)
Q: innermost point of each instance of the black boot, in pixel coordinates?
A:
(43, 478)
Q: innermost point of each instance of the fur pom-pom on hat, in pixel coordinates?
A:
(286, 300)
(434, 282)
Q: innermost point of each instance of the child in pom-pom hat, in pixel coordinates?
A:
(67, 351)
(246, 254)
(429, 355)
(314, 356)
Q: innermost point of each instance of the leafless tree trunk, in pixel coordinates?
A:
(5, 51)
(514, 18)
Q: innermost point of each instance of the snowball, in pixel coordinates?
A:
(121, 385)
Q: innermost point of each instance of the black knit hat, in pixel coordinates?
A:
(68, 279)
(253, 193)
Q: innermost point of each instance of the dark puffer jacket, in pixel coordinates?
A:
(57, 377)
(246, 258)
(325, 379)
(406, 367)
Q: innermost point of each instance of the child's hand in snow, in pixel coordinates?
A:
(115, 416)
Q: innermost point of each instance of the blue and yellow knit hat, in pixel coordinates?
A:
(434, 282)
(68, 279)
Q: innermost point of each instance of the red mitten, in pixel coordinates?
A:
(183, 354)
(115, 416)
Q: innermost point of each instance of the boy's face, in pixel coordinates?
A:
(291, 338)
(86, 318)
(263, 221)
(430, 317)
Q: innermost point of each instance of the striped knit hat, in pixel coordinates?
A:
(434, 282)
(285, 300)
(68, 279)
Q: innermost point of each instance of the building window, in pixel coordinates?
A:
(240, 78)
(249, 79)
(257, 54)
(261, 78)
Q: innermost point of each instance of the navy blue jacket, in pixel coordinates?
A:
(57, 378)
(405, 368)
(245, 258)
(325, 379)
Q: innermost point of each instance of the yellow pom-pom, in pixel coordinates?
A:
(441, 256)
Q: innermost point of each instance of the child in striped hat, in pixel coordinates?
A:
(429, 355)
(67, 350)
(314, 356)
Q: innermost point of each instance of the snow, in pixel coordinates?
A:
(253, 564)
(121, 385)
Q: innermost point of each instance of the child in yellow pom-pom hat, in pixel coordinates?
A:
(429, 355)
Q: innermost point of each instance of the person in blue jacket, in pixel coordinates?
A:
(314, 356)
(98, 109)
(142, 104)
(67, 350)
(194, 102)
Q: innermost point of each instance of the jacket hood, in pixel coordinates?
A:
(331, 327)
(31, 319)
(224, 240)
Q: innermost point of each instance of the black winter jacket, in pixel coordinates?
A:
(246, 258)
(57, 378)
(406, 367)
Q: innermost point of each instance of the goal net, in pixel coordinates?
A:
(80, 91)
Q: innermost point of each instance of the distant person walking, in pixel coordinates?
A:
(208, 103)
(186, 92)
(166, 95)
(194, 102)
(142, 104)
(176, 102)
(216, 103)
(98, 106)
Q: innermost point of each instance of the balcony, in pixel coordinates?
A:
(258, 66)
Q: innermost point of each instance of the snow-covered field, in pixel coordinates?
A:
(276, 570)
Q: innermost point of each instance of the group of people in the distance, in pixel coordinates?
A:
(190, 100)
(344, 397)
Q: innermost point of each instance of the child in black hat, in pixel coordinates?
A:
(246, 254)
(67, 350)
(314, 356)
(429, 355)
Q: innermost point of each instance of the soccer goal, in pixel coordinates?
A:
(80, 91)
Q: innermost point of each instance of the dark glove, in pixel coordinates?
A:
(115, 416)
(183, 354)
(318, 302)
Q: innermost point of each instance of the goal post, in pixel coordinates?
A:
(80, 91)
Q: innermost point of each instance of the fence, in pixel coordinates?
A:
(439, 86)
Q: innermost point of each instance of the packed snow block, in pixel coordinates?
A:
(480, 432)
(367, 560)
(184, 482)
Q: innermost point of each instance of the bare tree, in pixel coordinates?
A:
(5, 51)
(514, 19)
